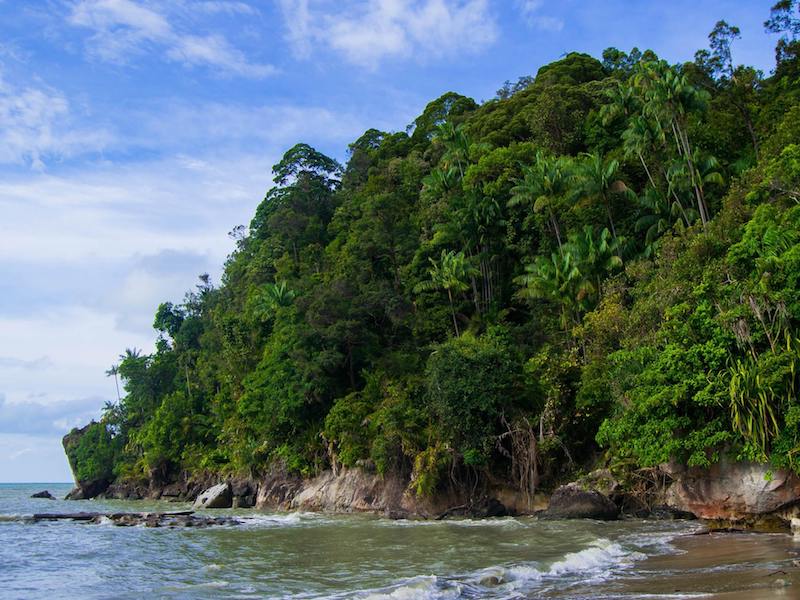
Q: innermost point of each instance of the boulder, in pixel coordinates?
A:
(732, 491)
(218, 496)
(571, 501)
(43, 494)
(86, 490)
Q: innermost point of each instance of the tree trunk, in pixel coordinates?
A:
(453, 311)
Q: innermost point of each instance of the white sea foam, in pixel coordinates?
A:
(504, 522)
(281, 520)
(418, 588)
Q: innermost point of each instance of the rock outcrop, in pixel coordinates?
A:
(572, 501)
(43, 494)
(743, 494)
(154, 519)
(218, 496)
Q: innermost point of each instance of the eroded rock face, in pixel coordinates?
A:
(218, 496)
(732, 491)
(571, 501)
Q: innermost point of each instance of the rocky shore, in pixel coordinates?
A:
(728, 496)
(132, 519)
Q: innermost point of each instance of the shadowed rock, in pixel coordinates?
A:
(157, 519)
(43, 494)
(573, 502)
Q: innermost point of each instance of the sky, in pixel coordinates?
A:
(135, 134)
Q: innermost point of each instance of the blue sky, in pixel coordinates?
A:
(135, 134)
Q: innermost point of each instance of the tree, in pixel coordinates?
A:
(114, 370)
(450, 273)
(558, 280)
(598, 180)
(543, 186)
(669, 99)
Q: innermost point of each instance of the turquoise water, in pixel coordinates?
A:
(303, 555)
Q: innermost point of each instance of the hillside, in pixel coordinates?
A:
(597, 267)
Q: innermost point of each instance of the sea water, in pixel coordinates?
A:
(313, 556)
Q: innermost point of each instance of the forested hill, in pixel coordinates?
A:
(599, 266)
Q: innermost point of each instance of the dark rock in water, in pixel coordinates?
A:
(218, 496)
(396, 514)
(86, 490)
(573, 502)
(43, 494)
(169, 519)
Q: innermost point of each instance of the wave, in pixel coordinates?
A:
(293, 519)
(507, 522)
(601, 560)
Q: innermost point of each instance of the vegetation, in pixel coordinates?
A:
(599, 265)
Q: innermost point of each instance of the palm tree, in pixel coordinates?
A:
(278, 294)
(557, 279)
(639, 137)
(440, 181)
(669, 98)
(623, 103)
(456, 146)
(450, 273)
(114, 370)
(660, 217)
(598, 179)
(595, 256)
(543, 185)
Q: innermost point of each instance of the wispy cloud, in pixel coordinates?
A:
(36, 122)
(229, 7)
(124, 28)
(39, 418)
(531, 11)
(366, 33)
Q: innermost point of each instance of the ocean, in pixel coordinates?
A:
(315, 556)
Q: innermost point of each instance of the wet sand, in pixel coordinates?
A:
(724, 566)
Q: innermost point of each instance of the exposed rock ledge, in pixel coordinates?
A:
(736, 495)
(347, 491)
(728, 495)
(356, 490)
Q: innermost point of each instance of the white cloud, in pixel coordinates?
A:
(36, 122)
(366, 33)
(531, 12)
(229, 7)
(123, 28)
(42, 418)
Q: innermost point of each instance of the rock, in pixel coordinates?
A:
(601, 480)
(492, 508)
(244, 501)
(85, 489)
(158, 519)
(490, 581)
(43, 494)
(218, 496)
(732, 491)
(666, 513)
(573, 502)
(795, 525)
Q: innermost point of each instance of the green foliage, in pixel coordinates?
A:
(471, 381)
(605, 256)
(92, 452)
